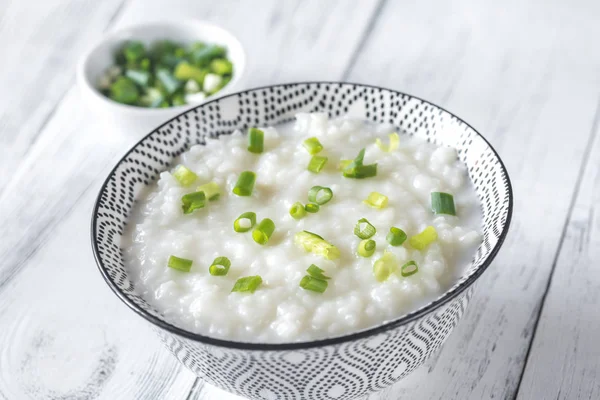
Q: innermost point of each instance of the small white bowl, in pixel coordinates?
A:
(139, 120)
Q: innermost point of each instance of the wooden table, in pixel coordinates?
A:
(526, 74)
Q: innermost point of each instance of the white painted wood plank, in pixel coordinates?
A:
(65, 336)
(564, 359)
(63, 333)
(514, 70)
(41, 42)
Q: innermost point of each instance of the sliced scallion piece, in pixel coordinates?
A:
(312, 208)
(366, 247)
(442, 203)
(220, 266)
(140, 77)
(245, 184)
(211, 190)
(312, 145)
(316, 164)
(181, 264)
(192, 201)
(376, 200)
(262, 233)
(396, 236)
(315, 244)
(168, 81)
(244, 222)
(363, 229)
(313, 284)
(320, 195)
(184, 175)
(408, 269)
(256, 139)
(394, 143)
(316, 272)
(384, 267)
(185, 71)
(421, 240)
(124, 90)
(297, 210)
(357, 170)
(247, 284)
(362, 172)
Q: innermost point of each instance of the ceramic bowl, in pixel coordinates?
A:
(139, 120)
(343, 367)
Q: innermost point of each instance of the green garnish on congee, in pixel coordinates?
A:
(166, 73)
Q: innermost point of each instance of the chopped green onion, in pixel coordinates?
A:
(408, 269)
(247, 284)
(255, 140)
(193, 201)
(134, 51)
(363, 229)
(396, 236)
(184, 176)
(185, 71)
(262, 233)
(152, 98)
(421, 240)
(311, 208)
(203, 55)
(320, 195)
(313, 284)
(312, 145)
(154, 77)
(361, 171)
(315, 244)
(181, 264)
(123, 90)
(384, 267)
(245, 184)
(168, 81)
(220, 266)
(244, 222)
(366, 247)
(297, 210)
(376, 200)
(211, 190)
(316, 272)
(140, 77)
(343, 164)
(221, 66)
(357, 170)
(360, 157)
(442, 203)
(394, 142)
(316, 164)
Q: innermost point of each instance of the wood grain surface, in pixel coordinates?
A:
(525, 74)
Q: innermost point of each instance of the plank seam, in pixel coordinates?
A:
(582, 168)
(361, 44)
(60, 100)
(198, 383)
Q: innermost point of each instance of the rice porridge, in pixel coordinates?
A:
(317, 274)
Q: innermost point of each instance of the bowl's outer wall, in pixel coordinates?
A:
(407, 341)
(344, 371)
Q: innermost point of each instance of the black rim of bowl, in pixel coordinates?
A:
(337, 340)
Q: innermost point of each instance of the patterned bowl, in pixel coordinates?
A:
(343, 367)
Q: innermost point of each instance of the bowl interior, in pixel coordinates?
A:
(272, 105)
(95, 63)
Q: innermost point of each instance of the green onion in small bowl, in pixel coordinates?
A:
(166, 73)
